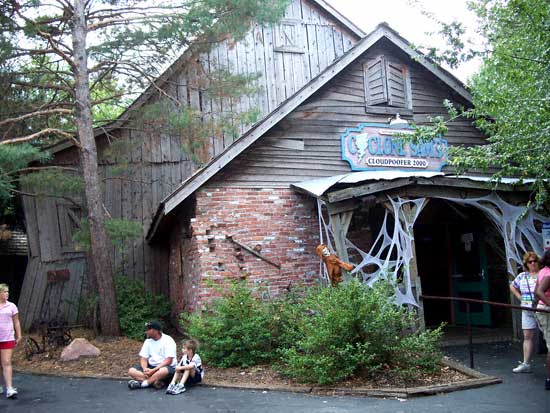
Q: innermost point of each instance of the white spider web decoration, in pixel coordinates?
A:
(391, 253)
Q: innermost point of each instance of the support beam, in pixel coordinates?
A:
(413, 270)
(341, 214)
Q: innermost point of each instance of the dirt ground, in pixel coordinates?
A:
(117, 355)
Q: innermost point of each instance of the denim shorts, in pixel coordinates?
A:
(528, 320)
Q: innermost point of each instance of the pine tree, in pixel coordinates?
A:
(55, 56)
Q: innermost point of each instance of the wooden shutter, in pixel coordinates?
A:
(396, 75)
(376, 91)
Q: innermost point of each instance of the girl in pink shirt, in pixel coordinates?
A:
(10, 336)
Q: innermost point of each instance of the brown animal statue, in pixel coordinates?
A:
(333, 264)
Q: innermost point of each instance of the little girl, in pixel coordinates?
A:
(189, 370)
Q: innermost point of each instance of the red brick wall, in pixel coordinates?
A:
(279, 221)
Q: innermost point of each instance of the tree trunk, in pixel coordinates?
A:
(96, 216)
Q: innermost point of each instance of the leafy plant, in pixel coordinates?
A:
(119, 231)
(319, 335)
(136, 305)
(235, 330)
(356, 329)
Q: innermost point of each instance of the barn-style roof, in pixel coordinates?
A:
(382, 31)
(175, 67)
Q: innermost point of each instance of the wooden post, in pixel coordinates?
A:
(416, 285)
(340, 219)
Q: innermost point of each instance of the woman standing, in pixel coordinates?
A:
(10, 336)
(523, 288)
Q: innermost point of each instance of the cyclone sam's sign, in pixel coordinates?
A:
(372, 146)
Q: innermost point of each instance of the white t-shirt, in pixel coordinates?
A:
(156, 351)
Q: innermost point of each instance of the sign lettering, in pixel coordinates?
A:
(377, 146)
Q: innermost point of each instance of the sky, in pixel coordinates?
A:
(409, 22)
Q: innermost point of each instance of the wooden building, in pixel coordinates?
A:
(332, 153)
(286, 56)
(254, 210)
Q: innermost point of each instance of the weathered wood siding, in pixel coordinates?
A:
(285, 56)
(306, 144)
(154, 164)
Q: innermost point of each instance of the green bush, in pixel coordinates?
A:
(323, 335)
(355, 329)
(136, 306)
(234, 330)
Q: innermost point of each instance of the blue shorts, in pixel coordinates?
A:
(194, 380)
(171, 371)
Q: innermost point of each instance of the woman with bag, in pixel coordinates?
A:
(523, 288)
(10, 336)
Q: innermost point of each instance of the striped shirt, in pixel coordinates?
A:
(7, 331)
(525, 284)
(198, 363)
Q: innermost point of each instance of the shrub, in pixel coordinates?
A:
(355, 328)
(136, 306)
(234, 330)
(323, 335)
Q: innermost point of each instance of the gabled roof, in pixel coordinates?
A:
(383, 30)
(176, 66)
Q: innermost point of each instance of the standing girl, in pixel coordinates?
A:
(523, 288)
(10, 336)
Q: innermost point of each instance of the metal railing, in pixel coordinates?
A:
(469, 301)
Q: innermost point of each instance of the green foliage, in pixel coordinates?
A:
(234, 330)
(354, 329)
(54, 182)
(12, 160)
(510, 92)
(136, 306)
(324, 335)
(119, 231)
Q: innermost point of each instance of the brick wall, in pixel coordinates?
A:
(280, 223)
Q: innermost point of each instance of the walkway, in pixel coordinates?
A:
(517, 393)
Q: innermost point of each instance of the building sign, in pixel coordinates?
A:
(372, 146)
(546, 235)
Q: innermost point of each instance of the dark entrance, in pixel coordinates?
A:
(14, 257)
(455, 250)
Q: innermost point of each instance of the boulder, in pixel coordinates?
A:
(79, 347)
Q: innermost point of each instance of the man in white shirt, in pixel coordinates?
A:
(158, 358)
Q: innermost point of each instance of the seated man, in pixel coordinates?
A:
(157, 359)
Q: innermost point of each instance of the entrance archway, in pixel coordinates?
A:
(460, 254)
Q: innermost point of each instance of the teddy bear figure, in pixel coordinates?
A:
(333, 264)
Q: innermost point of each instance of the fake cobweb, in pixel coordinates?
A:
(391, 252)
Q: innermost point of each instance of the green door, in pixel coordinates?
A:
(470, 278)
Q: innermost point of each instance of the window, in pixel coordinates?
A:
(288, 36)
(387, 86)
(68, 217)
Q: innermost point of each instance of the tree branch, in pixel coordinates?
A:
(48, 131)
(33, 114)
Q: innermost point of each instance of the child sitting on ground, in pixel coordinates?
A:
(189, 370)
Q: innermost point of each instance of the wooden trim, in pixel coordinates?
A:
(366, 189)
(289, 49)
(340, 18)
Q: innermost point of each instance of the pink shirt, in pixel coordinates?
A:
(7, 331)
(545, 272)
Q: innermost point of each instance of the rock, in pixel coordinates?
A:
(79, 347)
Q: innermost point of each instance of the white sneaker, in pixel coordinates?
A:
(180, 388)
(522, 368)
(11, 392)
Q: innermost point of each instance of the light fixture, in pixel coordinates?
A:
(397, 122)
